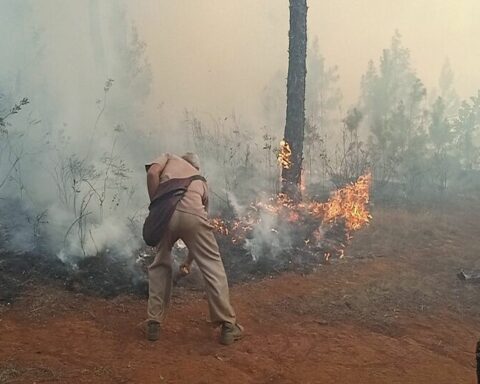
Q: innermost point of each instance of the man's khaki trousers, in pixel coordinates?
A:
(197, 234)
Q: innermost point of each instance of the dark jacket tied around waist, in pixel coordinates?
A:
(162, 206)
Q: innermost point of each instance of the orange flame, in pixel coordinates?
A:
(285, 155)
(349, 203)
(220, 226)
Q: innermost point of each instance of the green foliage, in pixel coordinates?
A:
(351, 157)
(411, 144)
(466, 127)
(441, 137)
(440, 128)
(323, 96)
(447, 90)
(393, 103)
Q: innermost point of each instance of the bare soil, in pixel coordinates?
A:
(392, 311)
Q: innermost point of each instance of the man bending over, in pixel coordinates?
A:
(189, 222)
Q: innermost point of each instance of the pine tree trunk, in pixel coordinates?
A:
(295, 121)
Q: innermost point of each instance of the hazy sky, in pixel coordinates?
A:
(218, 55)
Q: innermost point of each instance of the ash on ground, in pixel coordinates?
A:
(297, 247)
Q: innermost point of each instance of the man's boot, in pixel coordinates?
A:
(153, 330)
(230, 333)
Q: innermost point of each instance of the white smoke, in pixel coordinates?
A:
(71, 161)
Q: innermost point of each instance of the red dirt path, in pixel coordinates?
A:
(403, 318)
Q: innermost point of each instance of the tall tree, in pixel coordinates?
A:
(295, 121)
(322, 104)
(467, 126)
(323, 95)
(448, 94)
(392, 102)
(441, 135)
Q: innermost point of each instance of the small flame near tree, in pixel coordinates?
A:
(285, 155)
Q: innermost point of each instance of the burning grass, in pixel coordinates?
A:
(268, 237)
(309, 224)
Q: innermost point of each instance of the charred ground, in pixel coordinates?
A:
(108, 276)
(269, 238)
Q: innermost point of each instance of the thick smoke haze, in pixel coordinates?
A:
(111, 84)
(71, 157)
(217, 55)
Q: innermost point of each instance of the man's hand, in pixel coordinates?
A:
(184, 269)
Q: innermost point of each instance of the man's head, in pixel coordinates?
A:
(193, 159)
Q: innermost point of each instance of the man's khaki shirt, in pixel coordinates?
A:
(174, 167)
